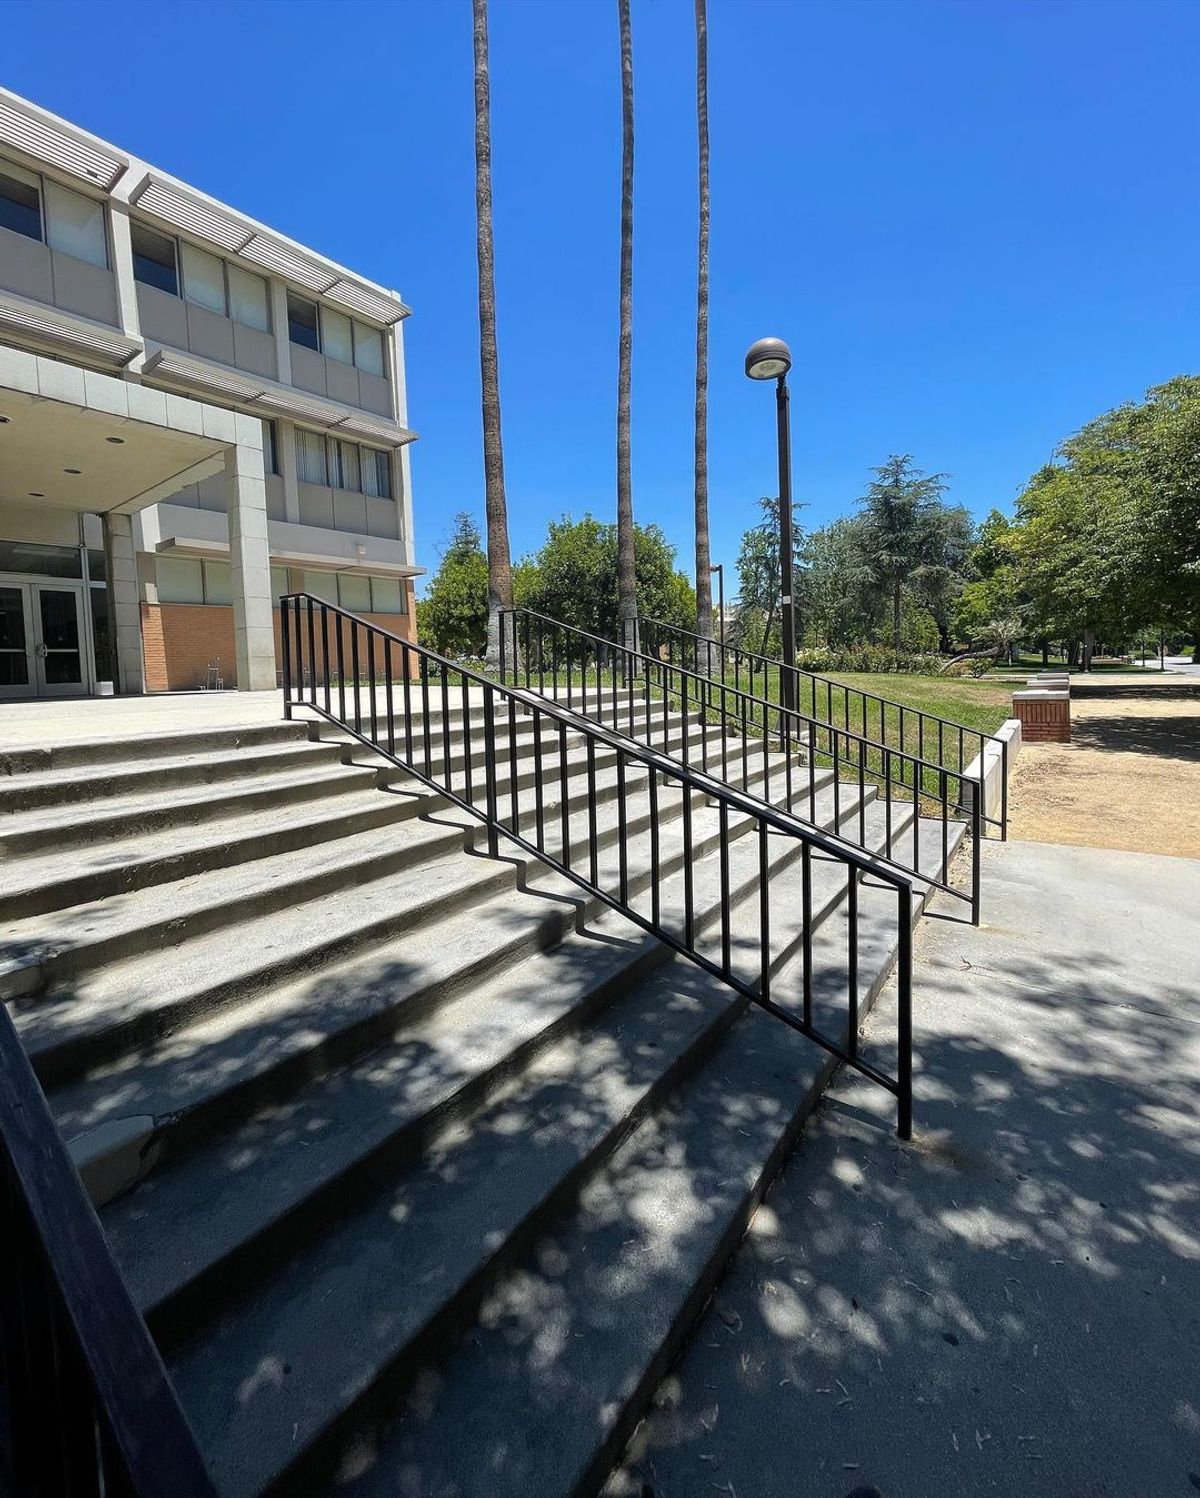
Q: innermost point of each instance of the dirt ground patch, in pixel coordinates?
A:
(1129, 779)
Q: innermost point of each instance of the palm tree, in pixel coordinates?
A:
(500, 588)
(626, 575)
(704, 622)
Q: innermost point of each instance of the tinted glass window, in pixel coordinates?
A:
(154, 258)
(20, 204)
(75, 225)
(338, 340)
(203, 279)
(248, 299)
(368, 348)
(41, 561)
(302, 322)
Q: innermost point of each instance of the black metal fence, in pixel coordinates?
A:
(732, 884)
(878, 720)
(766, 749)
(85, 1404)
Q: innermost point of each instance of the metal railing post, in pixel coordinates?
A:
(285, 633)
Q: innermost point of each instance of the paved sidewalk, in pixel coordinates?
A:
(1010, 1305)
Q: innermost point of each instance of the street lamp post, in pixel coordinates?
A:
(770, 359)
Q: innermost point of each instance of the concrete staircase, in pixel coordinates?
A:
(419, 1164)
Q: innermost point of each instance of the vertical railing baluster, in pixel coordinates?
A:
(312, 653)
(904, 1012)
(593, 847)
(489, 768)
(539, 800)
(285, 640)
(806, 915)
(564, 792)
(852, 957)
(764, 909)
(726, 913)
(622, 829)
(354, 669)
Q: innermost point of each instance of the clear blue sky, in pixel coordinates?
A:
(977, 224)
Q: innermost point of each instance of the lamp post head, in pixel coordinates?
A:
(768, 359)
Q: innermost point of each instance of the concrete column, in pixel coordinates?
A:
(253, 627)
(123, 602)
(279, 324)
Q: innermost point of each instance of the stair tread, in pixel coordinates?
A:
(567, 1341)
(326, 778)
(71, 776)
(33, 871)
(424, 1236)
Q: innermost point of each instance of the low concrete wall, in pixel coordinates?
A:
(990, 765)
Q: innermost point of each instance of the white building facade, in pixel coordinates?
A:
(197, 415)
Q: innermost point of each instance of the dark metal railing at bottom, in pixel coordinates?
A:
(535, 774)
(85, 1404)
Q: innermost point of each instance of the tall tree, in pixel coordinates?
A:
(704, 623)
(626, 561)
(910, 538)
(499, 559)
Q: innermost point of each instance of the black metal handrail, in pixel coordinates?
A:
(937, 737)
(85, 1403)
(621, 687)
(402, 700)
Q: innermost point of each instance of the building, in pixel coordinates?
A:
(197, 415)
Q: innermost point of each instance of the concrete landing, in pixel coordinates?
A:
(1011, 1305)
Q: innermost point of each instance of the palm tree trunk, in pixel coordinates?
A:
(626, 574)
(704, 620)
(500, 590)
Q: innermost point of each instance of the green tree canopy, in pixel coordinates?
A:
(912, 541)
(574, 577)
(453, 616)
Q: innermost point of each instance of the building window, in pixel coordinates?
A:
(368, 348)
(20, 201)
(39, 560)
(203, 279)
(249, 302)
(75, 225)
(377, 473)
(388, 596)
(310, 457)
(40, 209)
(302, 322)
(337, 336)
(218, 582)
(185, 580)
(354, 591)
(321, 585)
(270, 451)
(154, 261)
(180, 580)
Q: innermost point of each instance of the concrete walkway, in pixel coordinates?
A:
(1010, 1305)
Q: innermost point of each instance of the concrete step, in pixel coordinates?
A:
(39, 882)
(43, 951)
(90, 754)
(241, 1052)
(118, 818)
(75, 785)
(571, 1346)
(513, 1167)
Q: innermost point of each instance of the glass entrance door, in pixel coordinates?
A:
(18, 675)
(58, 639)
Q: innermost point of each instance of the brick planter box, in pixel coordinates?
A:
(1045, 716)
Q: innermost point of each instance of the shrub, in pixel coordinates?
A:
(871, 658)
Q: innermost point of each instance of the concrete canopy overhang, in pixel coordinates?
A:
(93, 443)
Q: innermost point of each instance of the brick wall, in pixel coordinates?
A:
(1043, 720)
(181, 640)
